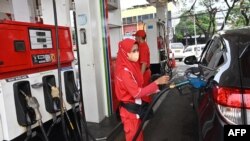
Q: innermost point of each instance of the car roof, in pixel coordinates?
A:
(239, 31)
(198, 45)
(176, 44)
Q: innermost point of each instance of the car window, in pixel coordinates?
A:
(188, 49)
(177, 46)
(213, 53)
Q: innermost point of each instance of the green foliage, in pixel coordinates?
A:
(236, 18)
(203, 20)
(186, 25)
(237, 14)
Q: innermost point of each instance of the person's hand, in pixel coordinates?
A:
(162, 80)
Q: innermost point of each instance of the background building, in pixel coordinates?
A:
(132, 18)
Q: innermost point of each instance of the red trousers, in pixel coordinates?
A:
(130, 128)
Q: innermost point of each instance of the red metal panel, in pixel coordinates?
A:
(14, 63)
(65, 44)
(12, 60)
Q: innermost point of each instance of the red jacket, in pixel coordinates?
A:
(127, 90)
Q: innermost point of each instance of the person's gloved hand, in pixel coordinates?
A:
(162, 80)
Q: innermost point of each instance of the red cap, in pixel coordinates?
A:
(140, 33)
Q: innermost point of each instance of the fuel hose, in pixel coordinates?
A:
(158, 96)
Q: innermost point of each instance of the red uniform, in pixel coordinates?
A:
(145, 58)
(128, 87)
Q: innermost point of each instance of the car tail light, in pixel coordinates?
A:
(230, 104)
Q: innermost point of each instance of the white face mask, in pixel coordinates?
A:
(133, 56)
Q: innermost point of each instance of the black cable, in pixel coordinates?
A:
(29, 133)
(76, 121)
(27, 138)
(55, 121)
(71, 125)
(84, 126)
(59, 71)
(43, 131)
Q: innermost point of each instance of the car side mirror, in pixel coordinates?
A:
(191, 60)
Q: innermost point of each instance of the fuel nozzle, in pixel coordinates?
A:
(54, 91)
(77, 96)
(197, 82)
(33, 103)
(193, 76)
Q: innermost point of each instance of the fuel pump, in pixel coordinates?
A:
(31, 66)
(27, 108)
(193, 77)
(166, 64)
(158, 45)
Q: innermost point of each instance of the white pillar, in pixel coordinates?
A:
(23, 10)
(63, 12)
(92, 59)
(1, 129)
(5, 6)
(160, 12)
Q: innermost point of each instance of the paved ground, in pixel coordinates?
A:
(175, 119)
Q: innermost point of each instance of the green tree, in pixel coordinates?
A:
(240, 15)
(204, 19)
(186, 26)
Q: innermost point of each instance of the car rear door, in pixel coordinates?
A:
(209, 63)
(244, 65)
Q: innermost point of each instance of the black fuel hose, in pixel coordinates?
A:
(84, 126)
(59, 72)
(43, 131)
(158, 96)
(31, 134)
(55, 121)
(76, 121)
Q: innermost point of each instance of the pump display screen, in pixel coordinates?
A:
(40, 39)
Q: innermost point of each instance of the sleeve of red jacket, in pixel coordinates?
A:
(133, 88)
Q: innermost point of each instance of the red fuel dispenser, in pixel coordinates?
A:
(29, 48)
(28, 60)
